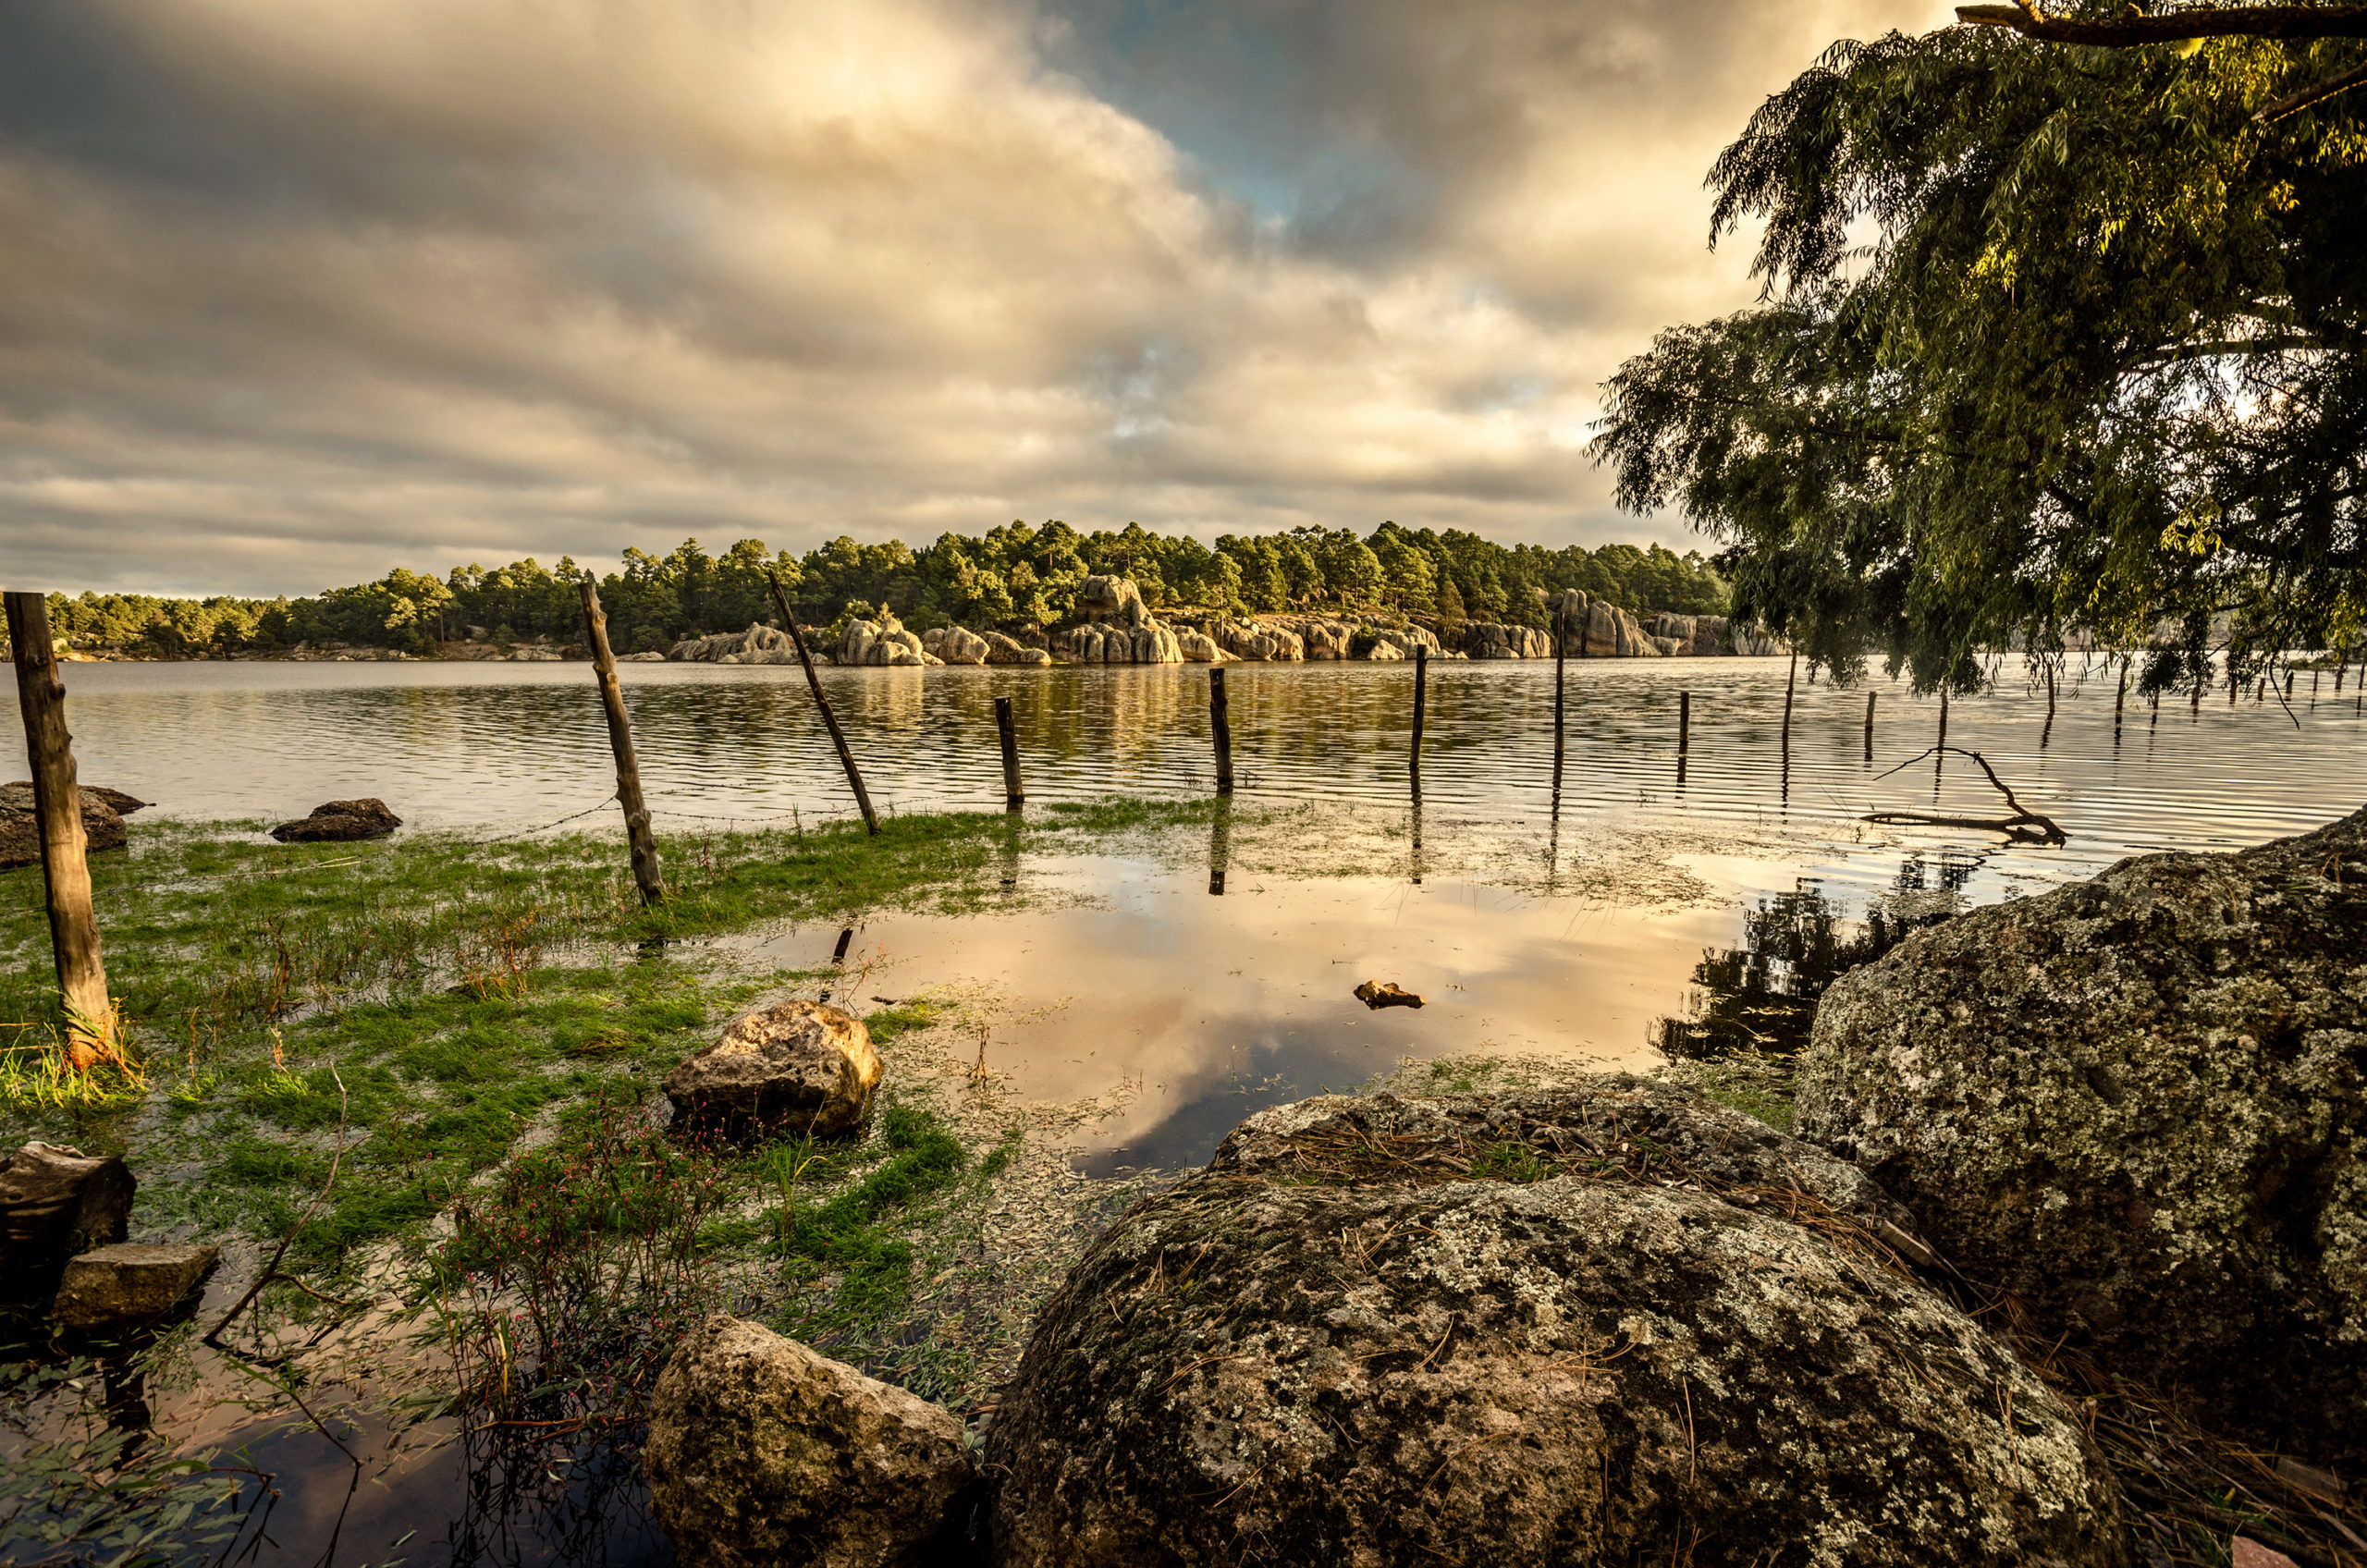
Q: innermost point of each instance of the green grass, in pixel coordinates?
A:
(419, 1003)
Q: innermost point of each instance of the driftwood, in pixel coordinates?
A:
(2023, 827)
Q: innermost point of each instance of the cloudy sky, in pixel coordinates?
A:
(292, 292)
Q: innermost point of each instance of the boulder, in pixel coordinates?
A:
(1198, 647)
(1384, 652)
(763, 1454)
(55, 1201)
(339, 821)
(1112, 598)
(2139, 1104)
(1611, 1323)
(799, 1066)
(1325, 639)
(103, 825)
(1002, 649)
(18, 796)
(1251, 640)
(128, 1286)
(1667, 647)
(952, 644)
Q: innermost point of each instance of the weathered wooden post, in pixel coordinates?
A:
(1221, 729)
(829, 719)
(2048, 729)
(1421, 685)
(2120, 700)
(1561, 650)
(1940, 747)
(93, 1031)
(1870, 727)
(641, 842)
(1684, 731)
(1789, 678)
(1014, 797)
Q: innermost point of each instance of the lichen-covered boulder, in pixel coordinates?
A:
(103, 825)
(799, 1066)
(763, 1454)
(1608, 1323)
(2140, 1105)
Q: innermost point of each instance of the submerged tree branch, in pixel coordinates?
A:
(2023, 825)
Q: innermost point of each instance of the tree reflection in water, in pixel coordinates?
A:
(1759, 1000)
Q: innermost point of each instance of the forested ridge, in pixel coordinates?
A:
(1011, 578)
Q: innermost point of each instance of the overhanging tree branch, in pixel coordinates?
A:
(2132, 30)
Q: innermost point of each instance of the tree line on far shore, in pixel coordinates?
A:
(1012, 578)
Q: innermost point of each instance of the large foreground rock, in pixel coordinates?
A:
(55, 1201)
(338, 822)
(130, 1286)
(2140, 1105)
(799, 1066)
(763, 1454)
(1613, 1324)
(103, 825)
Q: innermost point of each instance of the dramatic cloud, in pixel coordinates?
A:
(290, 293)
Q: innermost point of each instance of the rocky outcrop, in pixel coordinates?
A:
(56, 1202)
(1258, 642)
(103, 825)
(127, 1287)
(1006, 650)
(1487, 639)
(1198, 647)
(798, 1067)
(952, 644)
(338, 822)
(763, 1454)
(2139, 1104)
(759, 644)
(1607, 1324)
(884, 642)
(1123, 631)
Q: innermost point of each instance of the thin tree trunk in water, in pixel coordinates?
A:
(93, 1031)
(641, 842)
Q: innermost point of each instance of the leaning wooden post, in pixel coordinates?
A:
(829, 719)
(1421, 684)
(642, 843)
(1014, 797)
(1870, 727)
(1221, 729)
(93, 1033)
(2048, 729)
(2120, 700)
(1789, 681)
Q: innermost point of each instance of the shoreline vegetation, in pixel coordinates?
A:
(1019, 580)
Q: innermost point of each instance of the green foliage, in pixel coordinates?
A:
(82, 1488)
(1011, 578)
(2098, 372)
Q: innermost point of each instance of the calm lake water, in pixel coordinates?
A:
(1573, 926)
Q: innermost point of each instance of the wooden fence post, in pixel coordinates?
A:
(1870, 727)
(1789, 680)
(1561, 649)
(640, 840)
(1684, 731)
(829, 719)
(1014, 797)
(93, 1034)
(1421, 686)
(1221, 729)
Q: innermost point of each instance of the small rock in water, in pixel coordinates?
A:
(129, 1286)
(339, 822)
(799, 1066)
(1376, 993)
(55, 1201)
(20, 826)
(762, 1452)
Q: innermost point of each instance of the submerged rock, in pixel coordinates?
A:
(1612, 1323)
(128, 1286)
(763, 1454)
(55, 1201)
(1378, 993)
(2140, 1105)
(339, 821)
(799, 1066)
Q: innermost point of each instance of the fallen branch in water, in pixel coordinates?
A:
(2024, 826)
